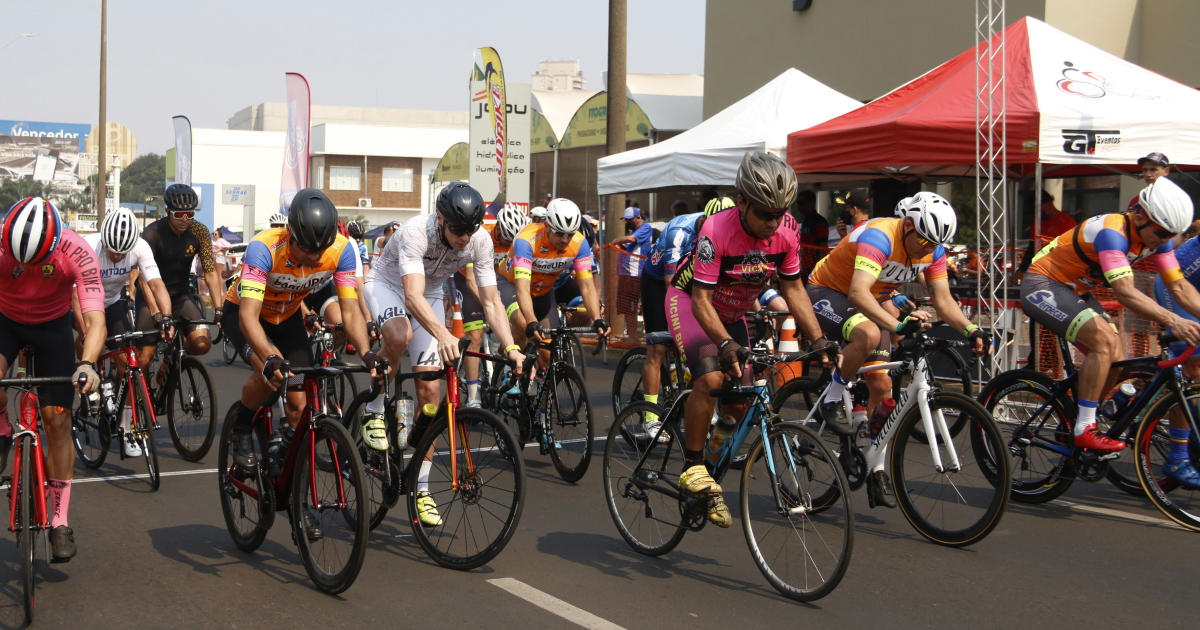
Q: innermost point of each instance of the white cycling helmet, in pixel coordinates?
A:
(932, 216)
(277, 220)
(1167, 205)
(563, 216)
(119, 231)
(902, 206)
(511, 221)
(538, 212)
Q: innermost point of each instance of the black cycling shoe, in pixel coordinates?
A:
(62, 544)
(312, 527)
(243, 449)
(5, 447)
(833, 414)
(879, 490)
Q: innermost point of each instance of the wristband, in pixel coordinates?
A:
(87, 363)
(970, 329)
(512, 347)
(721, 346)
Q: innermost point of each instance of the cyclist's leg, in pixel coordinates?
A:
(8, 353)
(472, 315)
(117, 323)
(654, 316)
(841, 322)
(879, 384)
(147, 345)
(1178, 463)
(423, 352)
(386, 303)
(196, 339)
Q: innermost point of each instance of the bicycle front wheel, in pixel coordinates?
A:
(382, 467)
(329, 532)
(951, 503)
(90, 433)
(228, 351)
(25, 523)
(801, 546)
(627, 379)
(1042, 469)
(143, 432)
(475, 489)
(569, 428)
(192, 410)
(247, 496)
(1153, 443)
(641, 480)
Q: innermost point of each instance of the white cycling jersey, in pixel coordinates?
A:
(114, 275)
(416, 247)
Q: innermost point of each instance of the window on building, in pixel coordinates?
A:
(345, 178)
(317, 177)
(397, 180)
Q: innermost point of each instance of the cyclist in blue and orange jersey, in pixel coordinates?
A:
(1057, 289)
(262, 317)
(42, 265)
(321, 303)
(847, 289)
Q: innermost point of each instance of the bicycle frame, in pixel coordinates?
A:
(29, 424)
(128, 382)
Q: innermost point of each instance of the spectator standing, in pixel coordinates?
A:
(636, 244)
(814, 232)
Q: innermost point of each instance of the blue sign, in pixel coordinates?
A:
(45, 129)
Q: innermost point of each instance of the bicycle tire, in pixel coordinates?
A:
(1177, 502)
(481, 516)
(765, 519)
(1039, 474)
(574, 353)
(90, 435)
(623, 392)
(792, 403)
(247, 531)
(651, 522)
(143, 434)
(228, 351)
(342, 390)
(192, 397)
(570, 438)
(1122, 471)
(332, 572)
(975, 512)
(25, 525)
(382, 483)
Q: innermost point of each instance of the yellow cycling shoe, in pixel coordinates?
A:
(697, 482)
(374, 431)
(718, 512)
(427, 510)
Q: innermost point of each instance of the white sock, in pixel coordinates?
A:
(834, 393)
(376, 406)
(1087, 415)
(126, 418)
(423, 476)
(473, 390)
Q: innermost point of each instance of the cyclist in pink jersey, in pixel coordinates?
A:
(737, 252)
(41, 264)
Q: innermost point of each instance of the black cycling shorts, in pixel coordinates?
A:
(317, 301)
(116, 319)
(569, 290)
(838, 317)
(654, 298)
(53, 344)
(289, 337)
(1057, 308)
(472, 310)
(543, 305)
(186, 306)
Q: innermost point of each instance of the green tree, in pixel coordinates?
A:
(143, 178)
(14, 190)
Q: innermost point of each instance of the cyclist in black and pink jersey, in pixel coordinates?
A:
(42, 264)
(737, 252)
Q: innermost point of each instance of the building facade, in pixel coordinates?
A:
(558, 76)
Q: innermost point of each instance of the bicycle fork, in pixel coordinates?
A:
(40, 517)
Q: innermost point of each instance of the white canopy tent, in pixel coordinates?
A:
(709, 154)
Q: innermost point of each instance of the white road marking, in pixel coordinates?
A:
(1149, 520)
(553, 604)
(142, 476)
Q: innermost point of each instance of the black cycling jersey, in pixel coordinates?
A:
(174, 253)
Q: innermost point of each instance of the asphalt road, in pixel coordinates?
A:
(164, 560)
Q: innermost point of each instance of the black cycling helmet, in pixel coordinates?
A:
(180, 197)
(312, 220)
(459, 204)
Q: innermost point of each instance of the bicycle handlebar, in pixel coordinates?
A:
(1179, 360)
(27, 382)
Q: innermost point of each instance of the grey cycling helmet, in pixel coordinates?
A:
(766, 180)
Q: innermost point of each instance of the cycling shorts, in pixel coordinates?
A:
(386, 302)
(185, 306)
(1057, 308)
(698, 350)
(472, 310)
(767, 296)
(543, 305)
(838, 317)
(53, 343)
(1167, 301)
(654, 298)
(288, 336)
(116, 320)
(319, 300)
(567, 291)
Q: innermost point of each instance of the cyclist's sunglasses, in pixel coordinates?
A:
(1158, 230)
(462, 230)
(182, 214)
(763, 215)
(925, 242)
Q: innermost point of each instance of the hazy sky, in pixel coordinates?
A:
(207, 59)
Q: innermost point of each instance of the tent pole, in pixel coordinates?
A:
(1034, 332)
(554, 181)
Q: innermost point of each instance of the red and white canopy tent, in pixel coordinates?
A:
(1069, 104)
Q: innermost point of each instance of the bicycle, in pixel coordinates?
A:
(28, 516)
(339, 391)
(557, 414)
(476, 476)
(184, 394)
(932, 480)
(627, 378)
(794, 503)
(1152, 442)
(315, 474)
(572, 346)
(1037, 415)
(94, 425)
(947, 365)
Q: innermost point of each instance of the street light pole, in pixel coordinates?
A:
(16, 38)
(102, 154)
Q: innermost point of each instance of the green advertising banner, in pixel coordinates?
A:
(589, 126)
(453, 165)
(541, 135)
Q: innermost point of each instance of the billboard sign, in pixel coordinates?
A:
(29, 129)
(237, 194)
(482, 143)
(42, 158)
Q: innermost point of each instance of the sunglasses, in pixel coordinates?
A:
(1158, 230)
(182, 214)
(763, 215)
(925, 242)
(462, 230)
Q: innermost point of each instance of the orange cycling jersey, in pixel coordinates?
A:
(877, 247)
(269, 276)
(531, 256)
(1100, 251)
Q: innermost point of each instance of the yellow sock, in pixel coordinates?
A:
(651, 398)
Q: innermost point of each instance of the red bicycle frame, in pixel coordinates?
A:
(29, 422)
(131, 364)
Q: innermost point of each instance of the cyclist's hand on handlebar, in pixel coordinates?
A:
(905, 305)
(85, 377)
(373, 330)
(377, 365)
(166, 326)
(1186, 330)
(518, 358)
(312, 321)
(273, 371)
(981, 342)
(447, 347)
(533, 330)
(729, 357)
(831, 348)
(602, 327)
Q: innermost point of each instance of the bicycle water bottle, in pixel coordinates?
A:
(1119, 401)
(721, 434)
(861, 421)
(422, 422)
(405, 407)
(110, 399)
(882, 413)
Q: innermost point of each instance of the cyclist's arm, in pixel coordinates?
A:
(706, 315)
(418, 306)
(93, 344)
(1145, 307)
(861, 298)
(249, 314)
(362, 299)
(208, 264)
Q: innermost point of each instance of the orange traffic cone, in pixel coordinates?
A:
(788, 343)
(456, 327)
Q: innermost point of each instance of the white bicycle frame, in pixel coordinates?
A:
(917, 393)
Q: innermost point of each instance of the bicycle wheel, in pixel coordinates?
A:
(802, 546)
(950, 371)
(143, 433)
(25, 524)
(573, 353)
(247, 497)
(951, 505)
(639, 472)
(481, 516)
(339, 391)
(569, 429)
(228, 351)
(329, 534)
(1039, 450)
(382, 467)
(793, 403)
(1153, 442)
(627, 379)
(90, 433)
(192, 410)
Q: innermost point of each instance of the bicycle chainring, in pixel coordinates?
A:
(695, 512)
(1089, 466)
(854, 462)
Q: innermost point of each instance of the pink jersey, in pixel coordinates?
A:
(736, 265)
(38, 293)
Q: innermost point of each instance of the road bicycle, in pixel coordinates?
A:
(94, 424)
(313, 472)
(952, 490)
(476, 475)
(182, 390)
(555, 412)
(1037, 416)
(338, 391)
(794, 503)
(628, 387)
(28, 516)
(1152, 443)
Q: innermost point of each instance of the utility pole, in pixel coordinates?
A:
(614, 224)
(102, 152)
